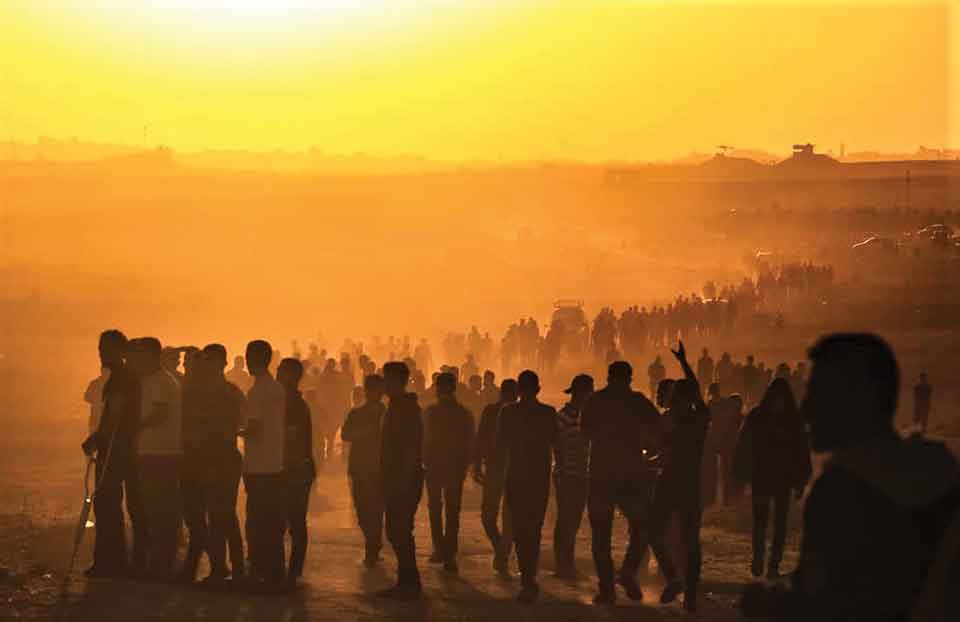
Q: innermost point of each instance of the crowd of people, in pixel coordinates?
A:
(166, 447)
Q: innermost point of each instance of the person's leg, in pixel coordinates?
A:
(400, 513)
(138, 516)
(690, 520)
(275, 517)
(217, 492)
(452, 499)
(234, 537)
(195, 517)
(761, 509)
(171, 513)
(253, 486)
(109, 548)
(435, 510)
(781, 505)
(490, 508)
(298, 504)
(560, 527)
(600, 510)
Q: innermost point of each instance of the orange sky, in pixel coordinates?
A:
(592, 80)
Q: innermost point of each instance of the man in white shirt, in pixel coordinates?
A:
(263, 467)
(159, 455)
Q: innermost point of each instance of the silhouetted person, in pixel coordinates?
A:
(263, 478)
(448, 435)
(571, 459)
(228, 407)
(773, 455)
(299, 470)
(238, 376)
(705, 368)
(526, 432)
(656, 372)
(922, 399)
(678, 492)
(159, 456)
(171, 362)
(726, 414)
(362, 430)
(401, 473)
(113, 443)
(490, 391)
(623, 426)
(94, 397)
(875, 518)
(490, 469)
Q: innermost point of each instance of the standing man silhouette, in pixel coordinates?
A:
(401, 476)
(527, 431)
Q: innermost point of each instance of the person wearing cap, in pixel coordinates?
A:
(526, 433)
(571, 453)
(623, 428)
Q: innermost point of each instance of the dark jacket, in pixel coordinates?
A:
(121, 413)
(683, 458)
(487, 456)
(298, 436)
(448, 436)
(362, 430)
(401, 446)
(872, 525)
(772, 452)
(526, 432)
(211, 417)
(620, 423)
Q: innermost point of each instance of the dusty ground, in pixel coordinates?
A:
(41, 494)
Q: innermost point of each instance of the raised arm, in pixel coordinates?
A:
(681, 354)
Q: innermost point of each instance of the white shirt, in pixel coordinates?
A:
(266, 403)
(161, 393)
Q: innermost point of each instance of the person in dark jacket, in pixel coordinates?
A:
(623, 428)
(114, 448)
(212, 414)
(401, 477)
(362, 430)
(299, 470)
(448, 436)
(526, 432)
(678, 491)
(773, 455)
(490, 470)
(875, 520)
(572, 453)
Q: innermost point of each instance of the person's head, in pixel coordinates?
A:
(190, 356)
(581, 388)
(289, 373)
(217, 353)
(356, 396)
(396, 375)
(489, 378)
(664, 392)
(782, 371)
(705, 353)
(713, 391)
(330, 366)
(853, 390)
(683, 395)
(451, 369)
(445, 386)
(923, 377)
(779, 399)
(113, 348)
(509, 391)
(736, 403)
(620, 374)
(259, 353)
(475, 382)
(528, 384)
(749, 359)
(238, 362)
(149, 355)
(170, 358)
(373, 387)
